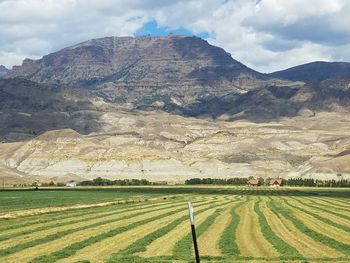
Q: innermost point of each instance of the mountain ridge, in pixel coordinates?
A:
(147, 72)
(315, 71)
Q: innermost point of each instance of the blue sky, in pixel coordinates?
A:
(266, 35)
(153, 29)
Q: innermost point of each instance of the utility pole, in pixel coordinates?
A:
(193, 230)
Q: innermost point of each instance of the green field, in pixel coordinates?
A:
(150, 224)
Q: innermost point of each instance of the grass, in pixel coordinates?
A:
(73, 248)
(183, 248)
(286, 251)
(63, 235)
(288, 213)
(25, 199)
(317, 216)
(59, 234)
(140, 245)
(227, 243)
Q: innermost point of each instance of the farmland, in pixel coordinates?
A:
(150, 224)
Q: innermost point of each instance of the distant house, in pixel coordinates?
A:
(276, 182)
(72, 184)
(253, 182)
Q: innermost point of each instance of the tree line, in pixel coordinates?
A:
(106, 182)
(318, 183)
(262, 181)
(218, 181)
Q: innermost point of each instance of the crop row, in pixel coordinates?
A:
(270, 225)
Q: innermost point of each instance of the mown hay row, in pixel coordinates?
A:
(278, 242)
(208, 243)
(287, 212)
(92, 236)
(321, 215)
(75, 247)
(183, 249)
(331, 203)
(286, 231)
(54, 225)
(164, 245)
(327, 208)
(101, 251)
(249, 238)
(47, 231)
(130, 254)
(319, 226)
(51, 243)
(32, 221)
(227, 243)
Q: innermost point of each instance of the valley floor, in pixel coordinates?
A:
(150, 224)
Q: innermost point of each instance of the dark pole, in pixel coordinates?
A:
(193, 230)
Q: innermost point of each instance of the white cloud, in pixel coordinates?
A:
(267, 36)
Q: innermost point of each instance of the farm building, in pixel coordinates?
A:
(253, 182)
(276, 182)
(72, 184)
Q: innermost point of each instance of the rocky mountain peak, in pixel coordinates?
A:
(156, 60)
(147, 71)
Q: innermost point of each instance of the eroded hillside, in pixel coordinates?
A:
(159, 146)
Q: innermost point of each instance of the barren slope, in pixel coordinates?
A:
(159, 146)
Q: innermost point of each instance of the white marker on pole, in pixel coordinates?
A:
(191, 213)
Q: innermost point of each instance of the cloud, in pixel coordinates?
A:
(266, 35)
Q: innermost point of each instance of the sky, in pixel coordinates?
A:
(266, 35)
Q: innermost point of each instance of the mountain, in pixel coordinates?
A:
(3, 70)
(315, 71)
(167, 108)
(28, 109)
(168, 73)
(187, 76)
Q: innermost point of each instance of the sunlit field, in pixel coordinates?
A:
(150, 224)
